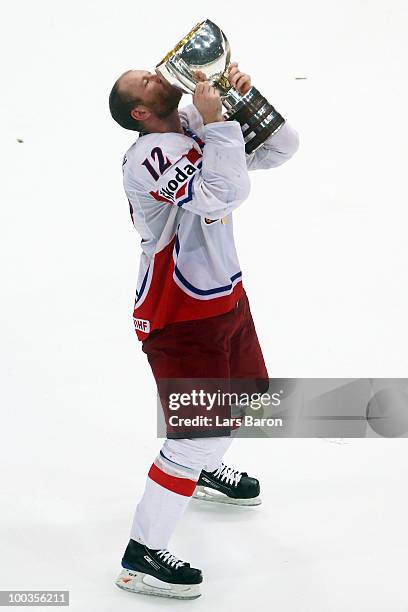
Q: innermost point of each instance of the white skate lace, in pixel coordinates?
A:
(227, 474)
(170, 559)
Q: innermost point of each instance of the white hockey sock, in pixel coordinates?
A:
(223, 444)
(168, 489)
(215, 459)
(170, 484)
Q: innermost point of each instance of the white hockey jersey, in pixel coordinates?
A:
(182, 189)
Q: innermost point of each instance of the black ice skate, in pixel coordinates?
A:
(228, 486)
(157, 572)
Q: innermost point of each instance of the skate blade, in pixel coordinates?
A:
(137, 582)
(207, 494)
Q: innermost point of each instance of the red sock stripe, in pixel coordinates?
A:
(182, 486)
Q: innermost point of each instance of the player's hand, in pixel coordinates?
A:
(240, 80)
(199, 75)
(207, 101)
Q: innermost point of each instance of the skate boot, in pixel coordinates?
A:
(228, 486)
(158, 572)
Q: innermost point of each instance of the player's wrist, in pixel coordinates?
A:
(213, 118)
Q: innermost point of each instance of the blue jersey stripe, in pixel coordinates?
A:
(196, 290)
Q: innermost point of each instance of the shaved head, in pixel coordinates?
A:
(141, 89)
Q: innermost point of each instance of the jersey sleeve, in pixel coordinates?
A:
(212, 183)
(276, 149)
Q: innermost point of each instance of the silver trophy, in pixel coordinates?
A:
(206, 48)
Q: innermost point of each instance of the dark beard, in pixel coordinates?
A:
(168, 104)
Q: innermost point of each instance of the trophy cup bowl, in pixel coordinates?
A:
(207, 49)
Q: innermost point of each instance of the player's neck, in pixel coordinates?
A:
(171, 123)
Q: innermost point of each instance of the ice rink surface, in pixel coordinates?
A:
(323, 247)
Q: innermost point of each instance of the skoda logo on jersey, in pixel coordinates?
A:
(179, 177)
(176, 184)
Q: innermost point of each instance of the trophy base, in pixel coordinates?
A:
(258, 118)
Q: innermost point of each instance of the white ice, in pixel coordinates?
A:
(323, 246)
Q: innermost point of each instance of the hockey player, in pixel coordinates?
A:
(183, 177)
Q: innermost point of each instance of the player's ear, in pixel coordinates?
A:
(140, 113)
